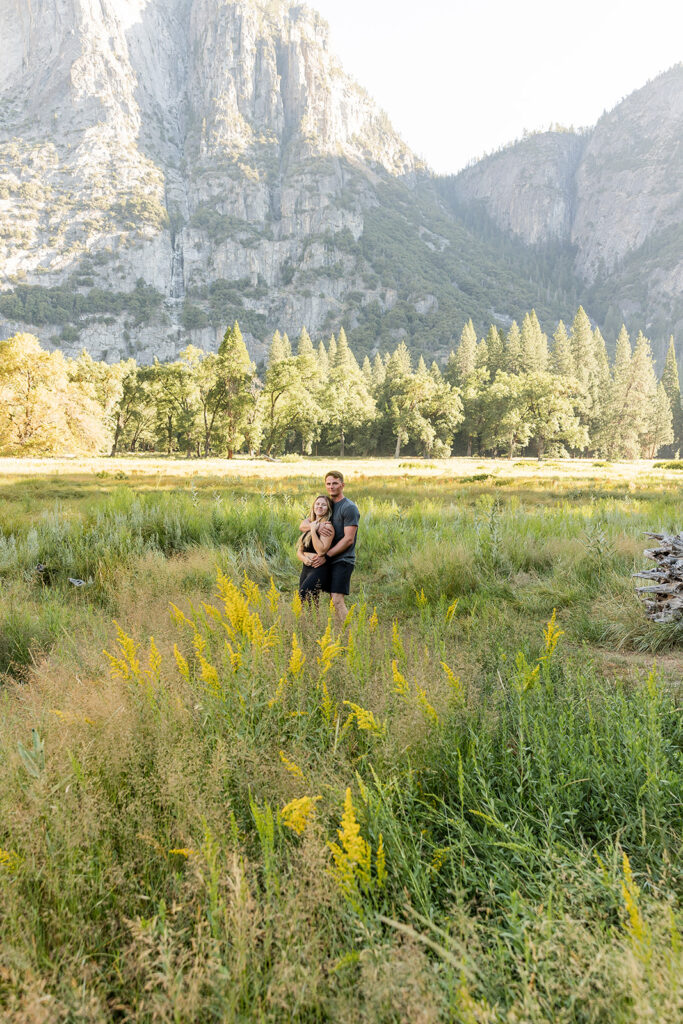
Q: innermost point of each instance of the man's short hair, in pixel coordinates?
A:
(336, 474)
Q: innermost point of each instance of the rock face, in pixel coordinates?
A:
(192, 145)
(528, 189)
(613, 195)
(169, 166)
(629, 182)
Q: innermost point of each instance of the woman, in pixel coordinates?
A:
(317, 540)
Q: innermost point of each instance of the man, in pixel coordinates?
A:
(342, 554)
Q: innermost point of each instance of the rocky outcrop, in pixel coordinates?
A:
(629, 182)
(612, 196)
(528, 189)
(190, 144)
(169, 166)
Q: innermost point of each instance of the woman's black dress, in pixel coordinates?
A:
(313, 579)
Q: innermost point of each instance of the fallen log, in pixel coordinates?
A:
(663, 597)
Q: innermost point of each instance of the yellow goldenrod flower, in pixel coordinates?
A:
(450, 611)
(273, 597)
(252, 591)
(349, 616)
(153, 672)
(329, 647)
(552, 635)
(396, 642)
(297, 659)
(212, 612)
(235, 656)
(183, 667)
(420, 598)
(400, 682)
(71, 717)
(210, 676)
(425, 705)
(128, 665)
(291, 766)
(439, 858)
(9, 860)
(279, 690)
(296, 606)
(352, 856)
(454, 683)
(373, 621)
(183, 851)
(297, 813)
(179, 617)
(637, 928)
(364, 719)
(527, 674)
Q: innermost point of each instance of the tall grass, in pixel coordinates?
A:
(445, 811)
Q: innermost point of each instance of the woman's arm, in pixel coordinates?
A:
(303, 555)
(322, 538)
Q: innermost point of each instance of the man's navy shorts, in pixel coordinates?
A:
(339, 581)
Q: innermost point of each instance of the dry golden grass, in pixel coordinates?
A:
(171, 469)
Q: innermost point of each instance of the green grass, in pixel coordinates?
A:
(525, 791)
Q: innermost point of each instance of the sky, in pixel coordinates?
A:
(460, 78)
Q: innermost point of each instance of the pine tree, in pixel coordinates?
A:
(332, 350)
(642, 408)
(533, 345)
(671, 384)
(323, 361)
(236, 375)
(420, 407)
(513, 349)
(601, 361)
(562, 363)
(659, 430)
(495, 351)
(378, 374)
(348, 402)
(617, 434)
(591, 371)
(582, 345)
(465, 360)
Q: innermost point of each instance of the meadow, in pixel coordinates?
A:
(465, 805)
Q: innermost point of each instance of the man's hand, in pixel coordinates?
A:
(316, 560)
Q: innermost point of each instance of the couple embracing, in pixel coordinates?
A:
(327, 545)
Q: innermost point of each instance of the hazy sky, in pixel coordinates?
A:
(459, 78)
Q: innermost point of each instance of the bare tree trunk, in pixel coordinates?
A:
(117, 435)
(397, 449)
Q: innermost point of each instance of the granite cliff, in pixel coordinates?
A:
(168, 166)
(611, 195)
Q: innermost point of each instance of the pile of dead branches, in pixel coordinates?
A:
(663, 596)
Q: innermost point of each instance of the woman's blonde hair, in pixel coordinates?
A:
(313, 517)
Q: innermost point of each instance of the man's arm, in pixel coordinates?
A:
(344, 542)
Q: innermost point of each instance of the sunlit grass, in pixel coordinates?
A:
(461, 806)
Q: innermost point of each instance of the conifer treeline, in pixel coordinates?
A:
(510, 392)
